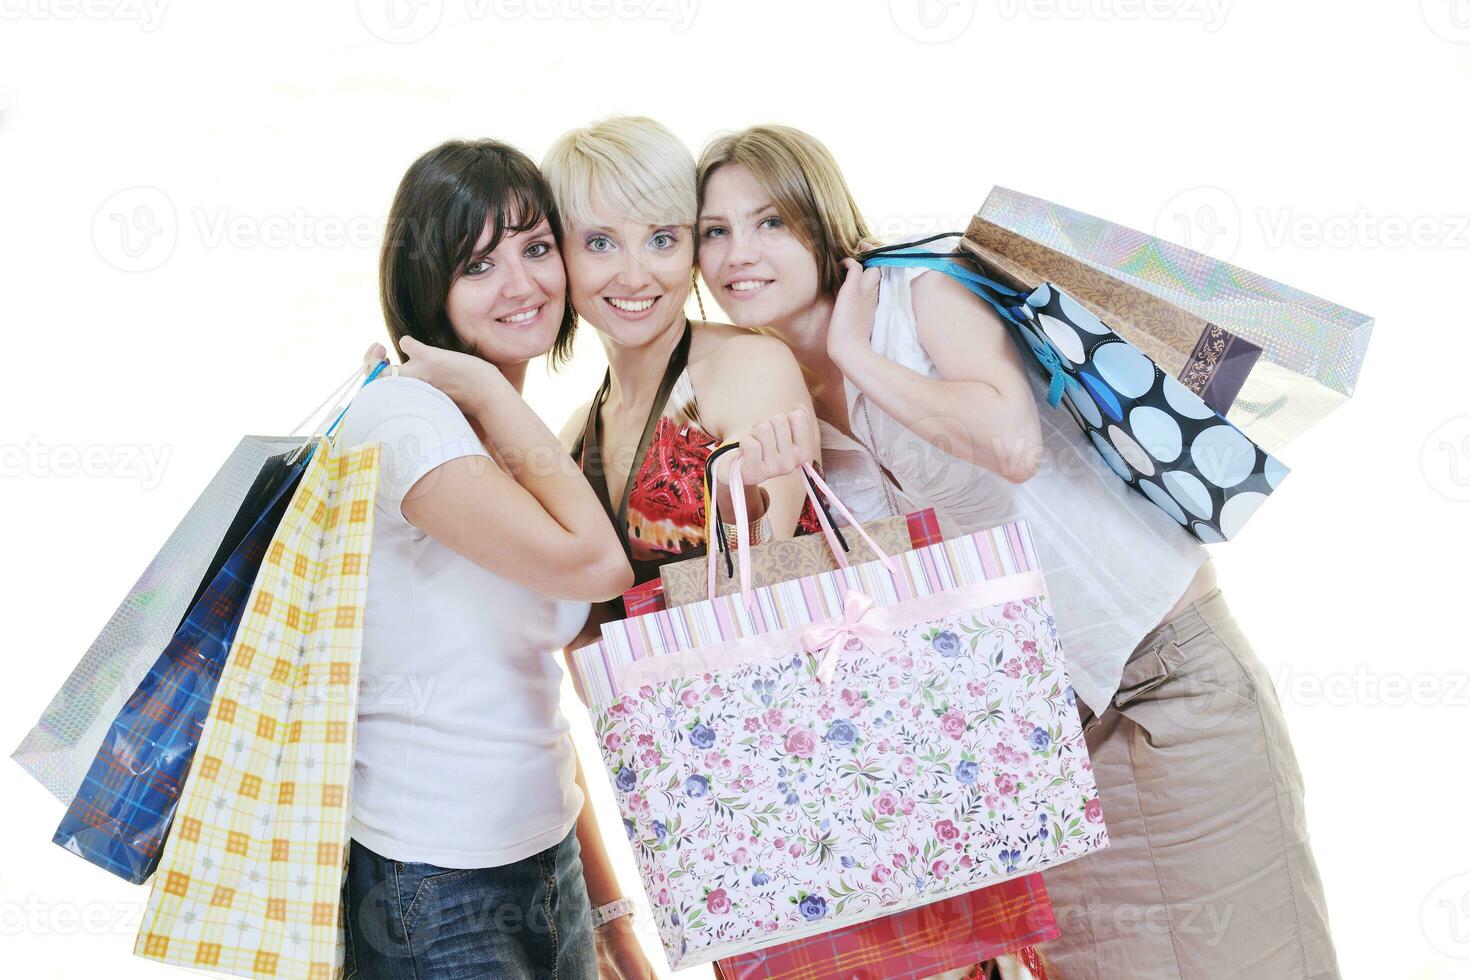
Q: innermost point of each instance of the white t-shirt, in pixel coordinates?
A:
(1115, 564)
(463, 758)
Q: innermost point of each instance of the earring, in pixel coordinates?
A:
(698, 296)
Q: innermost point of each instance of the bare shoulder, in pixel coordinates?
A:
(744, 377)
(709, 336)
(945, 309)
(740, 362)
(721, 340)
(935, 289)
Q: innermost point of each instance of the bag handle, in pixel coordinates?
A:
(340, 399)
(1010, 304)
(835, 540)
(813, 482)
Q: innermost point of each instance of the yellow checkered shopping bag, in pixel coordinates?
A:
(250, 879)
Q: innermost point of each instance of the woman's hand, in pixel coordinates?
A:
(780, 445)
(619, 956)
(851, 328)
(370, 358)
(462, 377)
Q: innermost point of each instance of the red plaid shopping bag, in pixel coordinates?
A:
(947, 935)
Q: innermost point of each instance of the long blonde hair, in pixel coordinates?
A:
(806, 187)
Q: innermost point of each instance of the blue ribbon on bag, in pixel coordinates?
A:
(343, 414)
(1010, 304)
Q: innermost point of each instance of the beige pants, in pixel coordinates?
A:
(1208, 874)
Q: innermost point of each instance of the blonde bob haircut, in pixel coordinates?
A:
(806, 187)
(629, 166)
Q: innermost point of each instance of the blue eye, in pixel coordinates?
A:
(773, 222)
(600, 243)
(664, 239)
(715, 231)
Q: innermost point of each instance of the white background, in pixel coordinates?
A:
(258, 145)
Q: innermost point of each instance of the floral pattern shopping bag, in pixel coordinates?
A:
(844, 746)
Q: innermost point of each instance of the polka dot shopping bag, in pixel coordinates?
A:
(1158, 436)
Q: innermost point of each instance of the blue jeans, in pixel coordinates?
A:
(409, 921)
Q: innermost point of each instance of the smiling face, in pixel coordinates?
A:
(761, 272)
(507, 304)
(629, 279)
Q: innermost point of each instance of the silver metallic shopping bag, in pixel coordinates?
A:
(1273, 360)
(61, 746)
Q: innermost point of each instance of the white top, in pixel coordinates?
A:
(463, 758)
(1115, 564)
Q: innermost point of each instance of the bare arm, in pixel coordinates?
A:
(980, 408)
(602, 881)
(537, 521)
(763, 401)
(619, 953)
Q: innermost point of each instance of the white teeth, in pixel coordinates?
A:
(745, 285)
(521, 317)
(630, 305)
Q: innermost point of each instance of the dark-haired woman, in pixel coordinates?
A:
(469, 834)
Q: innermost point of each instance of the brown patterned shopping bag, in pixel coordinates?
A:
(780, 561)
(251, 877)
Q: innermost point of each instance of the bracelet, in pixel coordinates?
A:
(604, 914)
(760, 532)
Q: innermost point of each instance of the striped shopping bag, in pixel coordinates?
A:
(250, 879)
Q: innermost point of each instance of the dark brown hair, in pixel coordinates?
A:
(438, 214)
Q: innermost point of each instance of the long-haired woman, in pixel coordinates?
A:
(923, 403)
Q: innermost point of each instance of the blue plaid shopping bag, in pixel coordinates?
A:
(121, 813)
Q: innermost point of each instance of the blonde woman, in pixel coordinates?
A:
(923, 403)
(675, 388)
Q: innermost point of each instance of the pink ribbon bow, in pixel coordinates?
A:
(825, 640)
